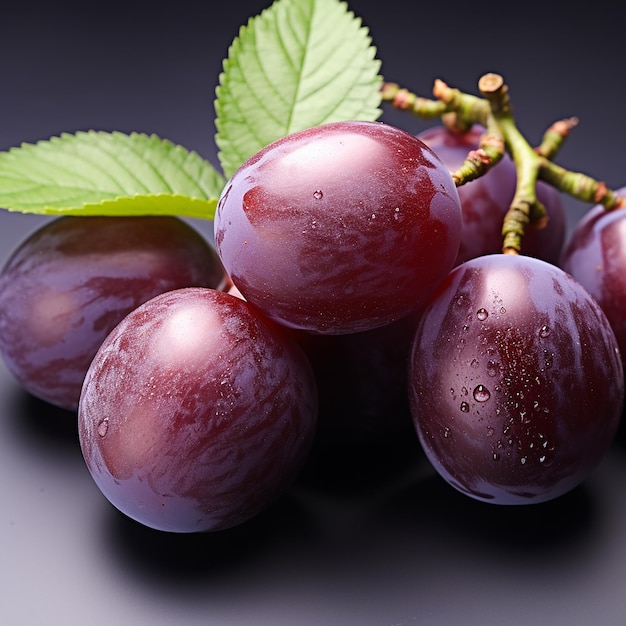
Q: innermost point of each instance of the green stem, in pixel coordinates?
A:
(555, 136)
(525, 209)
(465, 108)
(490, 151)
(405, 100)
(580, 185)
(460, 111)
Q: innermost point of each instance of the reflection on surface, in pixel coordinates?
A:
(369, 549)
(539, 531)
(319, 539)
(187, 562)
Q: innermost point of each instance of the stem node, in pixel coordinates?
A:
(459, 111)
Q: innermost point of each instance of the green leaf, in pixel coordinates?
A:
(98, 173)
(300, 63)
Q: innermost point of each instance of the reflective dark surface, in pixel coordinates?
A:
(407, 550)
(360, 546)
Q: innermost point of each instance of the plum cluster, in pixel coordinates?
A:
(353, 294)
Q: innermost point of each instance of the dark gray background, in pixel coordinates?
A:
(398, 551)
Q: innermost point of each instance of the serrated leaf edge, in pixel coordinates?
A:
(205, 201)
(230, 164)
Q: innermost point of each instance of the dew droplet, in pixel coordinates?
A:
(446, 432)
(544, 331)
(318, 194)
(495, 456)
(482, 314)
(474, 363)
(481, 393)
(464, 407)
(493, 368)
(490, 431)
(103, 426)
(502, 310)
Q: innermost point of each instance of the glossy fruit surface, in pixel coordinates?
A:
(485, 201)
(516, 383)
(596, 256)
(195, 415)
(69, 283)
(339, 228)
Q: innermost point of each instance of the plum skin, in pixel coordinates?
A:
(339, 228)
(195, 415)
(595, 256)
(72, 280)
(485, 201)
(516, 381)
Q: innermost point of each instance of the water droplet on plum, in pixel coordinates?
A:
(318, 194)
(103, 426)
(547, 358)
(493, 368)
(464, 407)
(481, 393)
(482, 314)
